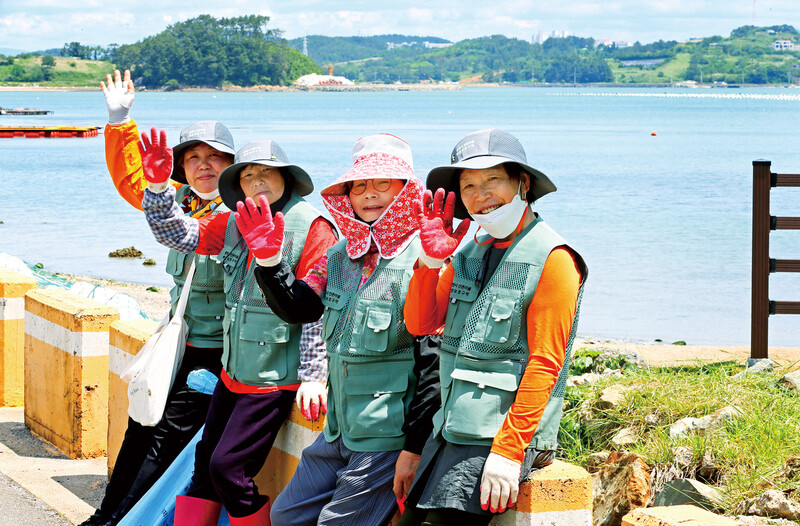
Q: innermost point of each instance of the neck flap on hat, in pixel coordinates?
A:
(391, 232)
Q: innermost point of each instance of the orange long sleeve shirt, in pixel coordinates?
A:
(125, 162)
(549, 321)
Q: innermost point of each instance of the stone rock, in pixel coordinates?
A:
(773, 503)
(612, 373)
(596, 460)
(631, 357)
(763, 365)
(791, 381)
(583, 379)
(624, 437)
(585, 411)
(688, 491)
(708, 470)
(614, 395)
(685, 515)
(683, 457)
(651, 419)
(621, 484)
(706, 423)
(752, 520)
(790, 469)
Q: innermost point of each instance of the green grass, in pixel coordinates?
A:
(750, 450)
(66, 72)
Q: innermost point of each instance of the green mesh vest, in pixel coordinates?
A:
(206, 305)
(370, 353)
(259, 348)
(485, 346)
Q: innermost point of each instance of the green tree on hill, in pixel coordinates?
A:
(205, 51)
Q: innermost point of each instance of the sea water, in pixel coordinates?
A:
(654, 185)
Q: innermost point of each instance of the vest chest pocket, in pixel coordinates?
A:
(373, 328)
(176, 263)
(334, 301)
(374, 404)
(500, 320)
(479, 402)
(378, 329)
(262, 356)
(229, 259)
(462, 296)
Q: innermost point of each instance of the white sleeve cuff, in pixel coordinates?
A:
(430, 262)
(270, 262)
(126, 120)
(158, 188)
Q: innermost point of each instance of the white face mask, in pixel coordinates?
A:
(501, 223)
(210, 196)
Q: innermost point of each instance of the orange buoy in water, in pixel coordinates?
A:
(653, 134)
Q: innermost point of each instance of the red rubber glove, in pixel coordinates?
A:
(312, 399)
(262, 232)
(156, 158)
(435, 215)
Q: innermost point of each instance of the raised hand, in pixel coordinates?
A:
(499, 483)
(262, 232)
(312, 399)
(156, 157)
(119, 97)
(435, 215)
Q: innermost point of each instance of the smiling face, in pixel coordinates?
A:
(483, 191)
(202, 165)
(257, 180)
(372, 202)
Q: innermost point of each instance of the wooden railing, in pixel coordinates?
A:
(761, 307)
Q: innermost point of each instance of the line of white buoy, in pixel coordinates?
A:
(754, 96)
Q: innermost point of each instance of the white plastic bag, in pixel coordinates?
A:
(152, 372)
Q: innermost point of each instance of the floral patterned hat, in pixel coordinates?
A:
(380, 156)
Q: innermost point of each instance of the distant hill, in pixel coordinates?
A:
(324, 50)
(745, 57)
(205, 51)
(10, 52)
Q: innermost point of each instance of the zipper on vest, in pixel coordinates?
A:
(522, 361)
(345, 363)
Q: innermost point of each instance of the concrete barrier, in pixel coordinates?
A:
(558, 495)
(125, 339)
(66, 370)
(13, 287)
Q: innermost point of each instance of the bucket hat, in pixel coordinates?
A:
(266, 153)
(212, 133)
(379, 156)
(484, 149)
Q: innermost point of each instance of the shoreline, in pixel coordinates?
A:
(395, 87)
(156, 304)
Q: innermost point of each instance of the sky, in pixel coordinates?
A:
(31, 25)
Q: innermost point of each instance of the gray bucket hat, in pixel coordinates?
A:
(213, 133)
(485, 149)
(267, 153)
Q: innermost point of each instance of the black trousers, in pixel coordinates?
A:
(239, 433)
(146, 451)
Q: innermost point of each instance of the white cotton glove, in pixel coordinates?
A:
(499, 483)
(312, 399)
(119, 97)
